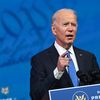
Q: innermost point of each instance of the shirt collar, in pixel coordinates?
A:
(62, 50)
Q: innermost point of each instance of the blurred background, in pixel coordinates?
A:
(25, 29)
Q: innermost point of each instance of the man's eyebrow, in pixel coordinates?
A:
(69, 23)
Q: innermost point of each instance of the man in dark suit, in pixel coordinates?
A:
(50, 67)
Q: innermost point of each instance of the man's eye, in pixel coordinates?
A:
(65, 24)
(73, 24)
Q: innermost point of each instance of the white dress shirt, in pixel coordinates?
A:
(61, 50)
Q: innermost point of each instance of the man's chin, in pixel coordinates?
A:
(69, 42)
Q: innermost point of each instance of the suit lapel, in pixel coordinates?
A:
(80, 59)
(53, 54)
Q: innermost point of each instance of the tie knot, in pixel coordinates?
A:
(68, 54)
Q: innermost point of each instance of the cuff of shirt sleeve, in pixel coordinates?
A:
(57, 74)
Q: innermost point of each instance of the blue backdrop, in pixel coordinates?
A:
(25, 29)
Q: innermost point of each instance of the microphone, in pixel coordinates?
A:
(95, 76)
(85, 78)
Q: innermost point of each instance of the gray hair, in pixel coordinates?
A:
(58, 11)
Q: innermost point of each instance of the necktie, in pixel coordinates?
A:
(72, 71)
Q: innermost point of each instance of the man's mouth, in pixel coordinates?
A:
(69, 35)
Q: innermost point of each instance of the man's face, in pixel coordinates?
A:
(65, 27)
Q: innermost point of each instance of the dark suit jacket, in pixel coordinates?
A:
(43, 65)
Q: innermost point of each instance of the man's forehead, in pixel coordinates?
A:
(66, 18)
(66, 14)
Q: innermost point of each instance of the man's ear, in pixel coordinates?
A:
(53, 29)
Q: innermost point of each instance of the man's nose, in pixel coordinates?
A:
(70, 28)
(69, 25)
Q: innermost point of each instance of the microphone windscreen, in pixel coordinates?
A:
(95, 76)
(85, 78)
